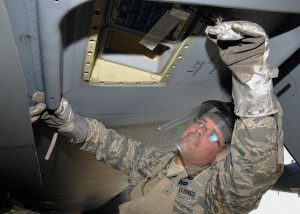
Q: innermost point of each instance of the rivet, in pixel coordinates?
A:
(90, 53)
(87, 64)
(186, 46)
(97, 12)
(248, 112)
(168, 75)
(154, 83)
(180, 56)
(261, 110)
(173, 66)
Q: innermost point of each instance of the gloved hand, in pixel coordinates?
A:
(73, 126)
(69, 124)
(35, 111)
(61, 117)
(243, 48)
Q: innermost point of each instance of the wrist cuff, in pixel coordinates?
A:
(76, 130)
(255, 98)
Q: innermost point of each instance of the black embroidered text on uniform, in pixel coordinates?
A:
(181, 182)
(190, 177)
(188, 192)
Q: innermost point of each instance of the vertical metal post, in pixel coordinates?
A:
(50, 16)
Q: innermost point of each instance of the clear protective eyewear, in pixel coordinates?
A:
(213, 137)
(215, 110)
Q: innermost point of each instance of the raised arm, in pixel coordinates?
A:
(254, 163)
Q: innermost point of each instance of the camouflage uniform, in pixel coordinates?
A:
(234, 185)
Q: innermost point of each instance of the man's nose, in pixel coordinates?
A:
(201, 129)
(199, 132)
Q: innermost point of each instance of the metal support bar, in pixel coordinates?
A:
(51, 48)
(50, 15)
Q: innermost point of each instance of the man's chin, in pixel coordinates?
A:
(182, 159)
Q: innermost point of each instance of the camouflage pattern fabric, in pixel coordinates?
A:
(234, 185)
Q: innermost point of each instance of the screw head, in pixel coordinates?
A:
(261, 110)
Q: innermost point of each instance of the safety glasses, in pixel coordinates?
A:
(213, 137)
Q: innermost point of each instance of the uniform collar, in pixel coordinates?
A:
(175, 169)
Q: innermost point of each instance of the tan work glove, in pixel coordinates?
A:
(243, 48)
(35, 111)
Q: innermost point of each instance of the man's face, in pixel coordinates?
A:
(196, 146)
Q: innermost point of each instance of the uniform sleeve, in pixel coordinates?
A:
(118, 151)
(251, 168)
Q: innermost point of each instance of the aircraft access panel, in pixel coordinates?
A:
(137, 42)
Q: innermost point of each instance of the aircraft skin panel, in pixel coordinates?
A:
(127, 106)
(289, 94)
(288, 6)
(19, 165)
(25, 30)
